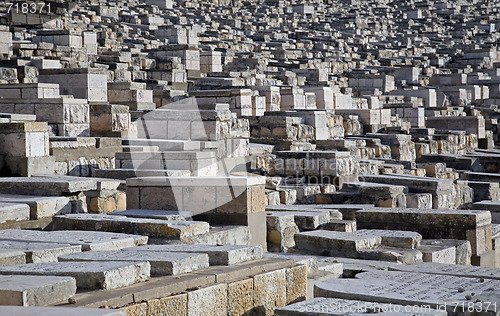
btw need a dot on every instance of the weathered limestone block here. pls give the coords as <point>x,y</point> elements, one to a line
<point>211,300</point>
<point>270,291</point>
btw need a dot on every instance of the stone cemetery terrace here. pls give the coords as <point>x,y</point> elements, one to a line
<point>257,157</point>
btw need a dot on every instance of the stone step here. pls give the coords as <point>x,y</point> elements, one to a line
<point>40,206</point>
<point>123,174</point>
<point>322,306</point>
<point>305,220</point>
<point>37,252</point>
<point>29,290</point>
<point>140,226</point>
<point>46,185</point>
<point>12,257</point>
<point>90,274</point>
<point>10,212</point>
<point>410,288</point>
<point>162,263</point>
<point>53,311</point>
<point>88,240</point>
<point>218,255</point>
<point>154,214</point>
<point>332,243</point>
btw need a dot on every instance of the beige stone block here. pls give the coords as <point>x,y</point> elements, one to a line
<point>168,306</point>
<point>121,201</point>
<point>296,284</point>
<point>208,301</point>
<point>240,297</point>
<point>258,199</point>
<point>137,310</point>
<point>270,291</point>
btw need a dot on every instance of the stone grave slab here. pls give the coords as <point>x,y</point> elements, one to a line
<point>407,288</point>
<point>46,185</point>
<point>218,255</point>
<point>89,240</point>
<point>89,275</point>
<point>37,252</point>
<point>154,214</point>
<point>30,290</point>
<point>142,226</point>
<point>162,263</point>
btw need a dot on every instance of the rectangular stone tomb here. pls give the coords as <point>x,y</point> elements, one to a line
<point>471,225</point>
<point>218,255</point>
<point>333,306</point>
<point>305,220</point>
<point>60,311</point>
<point>164,263</point>
<point>227,200</point>
<point>89,275</point>
<point>451,293</point>
<point>30,290</point>
<point>142,226</point>
<point>37,252</point>
<point>89,240</point>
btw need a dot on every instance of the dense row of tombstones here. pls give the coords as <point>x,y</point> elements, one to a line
<point>177,157</point>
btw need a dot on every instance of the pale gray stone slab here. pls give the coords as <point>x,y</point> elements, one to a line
<point>144,226</point>
<point>89,240</point>
<point>409,288</point>
<point>59,311</point>
<point>89,275</point>
<point>30,290</point>
<point>310,261</point>
<point>11,257</point>
<point>13,212</point>
<point>162,263</point>
<point>154,214</point>
<point>40,252</point>
<point>46,185</point>
<point>321,306</point>
<point>219,255</point>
